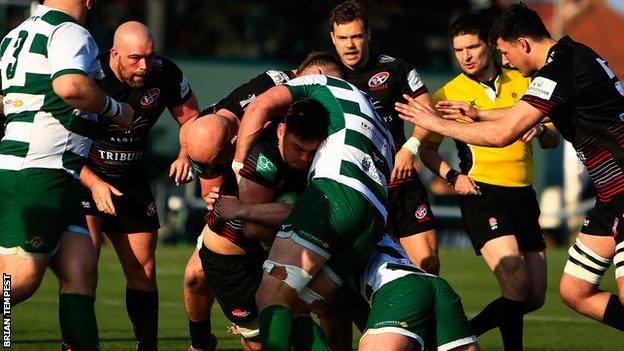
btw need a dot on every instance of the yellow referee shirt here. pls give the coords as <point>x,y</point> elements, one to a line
<point>510,166</point>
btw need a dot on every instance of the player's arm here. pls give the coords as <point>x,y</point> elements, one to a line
<point>185,113</point>
<point>502,132</point>
<point>404,159</point>
<point>101,191</point>
<point>546,134</point>
<point>431,158</point>
<point>271,103</point>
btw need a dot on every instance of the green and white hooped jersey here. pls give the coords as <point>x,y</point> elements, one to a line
<point>42,130</point>
<point>387,263</point>
<point>359,149</point>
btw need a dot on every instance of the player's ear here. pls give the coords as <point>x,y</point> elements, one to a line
<point>281,130</point>
<point>524,44</point>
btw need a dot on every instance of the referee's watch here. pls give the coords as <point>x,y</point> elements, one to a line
<point>451,177</point>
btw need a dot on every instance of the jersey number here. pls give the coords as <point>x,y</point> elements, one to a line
<point>618,84</point>
<point>12,67</point>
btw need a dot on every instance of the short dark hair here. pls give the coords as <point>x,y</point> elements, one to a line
<point>469,23</point>
<point>322,59</point>
<point>308,120</point>
<point>518,21</point>
<point>346,12</point>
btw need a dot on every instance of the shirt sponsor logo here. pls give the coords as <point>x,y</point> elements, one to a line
<point>542,88</point>
<point>120,156</point>
<point>414,81</point>
<point>378,79</point>
<point>266,168</point>
<point>150,97</point>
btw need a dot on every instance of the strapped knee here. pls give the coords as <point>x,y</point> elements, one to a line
<point>618,260</point>
<point>311,298</point>
<point>586,264</point>
<point>293,276</point>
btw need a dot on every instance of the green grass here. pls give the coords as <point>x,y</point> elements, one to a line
<point>554,327</point>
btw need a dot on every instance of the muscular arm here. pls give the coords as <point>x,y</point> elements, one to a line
<point>502,132</point>
<point>270,103</point>
<point>259,214</point>
<point>82,93</point>
<point>184,114</point>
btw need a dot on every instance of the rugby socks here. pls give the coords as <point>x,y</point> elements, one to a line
<point>201,337</point>
<point>614,313</point>
<point>275,323</point>
<point>78,323</point>
<point>510,324</point>
<point>505,314</point>
<point>142,308</point>
<point>307,335</point>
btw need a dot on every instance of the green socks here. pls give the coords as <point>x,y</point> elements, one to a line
<point>275,322</point>
<point>78,323</point>
<point>306,335</point>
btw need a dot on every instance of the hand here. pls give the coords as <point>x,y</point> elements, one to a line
<point>533,133</point>
<point>181,171</point>
<point>125,119</point>
<point>458,110</point>
<point>403,165</point>
<point>464,185</point>
<point>416,113</point>
<point>212,197</point>
<point>102,194</point>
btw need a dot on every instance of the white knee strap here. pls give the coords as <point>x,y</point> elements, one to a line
<point>309,296</point>
<point>296,277</point>
<point>618,260</point>
<point>586,264</point>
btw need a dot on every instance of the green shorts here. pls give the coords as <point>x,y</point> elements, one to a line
<point>36,206</point>
<point>338,223</point>
<point>422,307</point>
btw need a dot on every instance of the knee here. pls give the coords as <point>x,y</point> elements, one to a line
<point>534,303</point>
<point>513,276</point>
<point>194,279</point>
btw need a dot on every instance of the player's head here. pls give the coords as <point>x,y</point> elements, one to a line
<point>132,54</point>
<point>78,9</point>
<point>517,28</point>
<point>468,35</point>
<point>350,33</point>
<point>209,140</point>
<point>318,62</point>
<point>304,127</point>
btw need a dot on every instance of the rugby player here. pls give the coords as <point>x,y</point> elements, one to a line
<point>352,166</point>
<point>410,309</point>
<point>120,202</point>
<point>231,252</point>
<point>385,79</point>
<point>210,159</point>
<point>48,65</point>
<point>498,204</point>
<point>575,87</point>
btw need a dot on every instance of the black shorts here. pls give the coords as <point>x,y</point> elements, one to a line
<point>234,280</point>
<point>606,218</point>
<point>409,209</point>
<point>136,210</point>
<point>501,211</point>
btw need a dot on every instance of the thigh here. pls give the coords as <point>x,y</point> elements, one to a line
<point>36,207</point>
<point>403,306</point>
<point>234,280</point>
<point>136,250</point>
<point>409,209</point>
<point>452,326</point>
<point>485,216</point>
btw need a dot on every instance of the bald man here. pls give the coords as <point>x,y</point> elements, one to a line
<point>120,202</point>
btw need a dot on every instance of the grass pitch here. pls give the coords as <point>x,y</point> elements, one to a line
<point>554,327</point>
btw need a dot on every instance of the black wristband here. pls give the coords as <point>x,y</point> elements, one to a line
<point>543,131</point>
<point>451,177</point>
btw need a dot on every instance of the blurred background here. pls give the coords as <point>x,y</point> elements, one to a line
<point>222,44</point>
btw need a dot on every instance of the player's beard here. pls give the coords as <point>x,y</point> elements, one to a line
<point>128,76</point>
